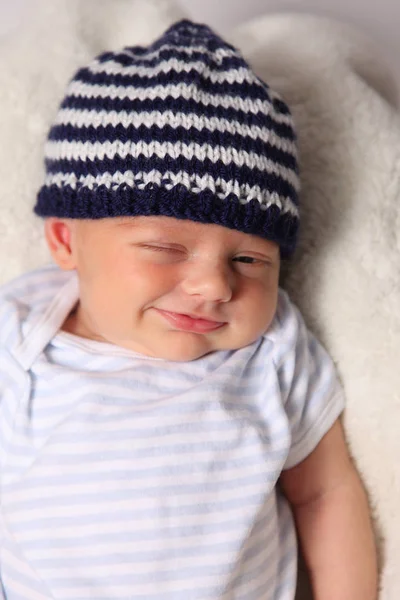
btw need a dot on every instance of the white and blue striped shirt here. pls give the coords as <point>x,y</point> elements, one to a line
<point>129,477</point>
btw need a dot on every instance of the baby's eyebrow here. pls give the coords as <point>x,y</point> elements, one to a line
<point>151,229</point>
<point>124,223</point>
<point>132,222</point>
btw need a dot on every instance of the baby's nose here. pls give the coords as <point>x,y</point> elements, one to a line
<point>213,282</point>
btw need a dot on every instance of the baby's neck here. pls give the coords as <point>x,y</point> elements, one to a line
<point>70,324</point>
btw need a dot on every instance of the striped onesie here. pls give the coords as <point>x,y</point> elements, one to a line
<point>124,476</point>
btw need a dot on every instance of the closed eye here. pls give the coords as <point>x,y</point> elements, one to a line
<point>248,260</point>
<point>161,248</point>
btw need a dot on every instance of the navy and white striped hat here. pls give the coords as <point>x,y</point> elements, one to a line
<point>181,128</point>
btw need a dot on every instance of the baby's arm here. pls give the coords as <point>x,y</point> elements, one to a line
<point>332,518</point>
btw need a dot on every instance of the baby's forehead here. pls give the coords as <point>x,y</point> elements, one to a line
<point>191,232</point>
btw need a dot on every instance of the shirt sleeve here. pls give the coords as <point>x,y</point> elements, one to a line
<point>312,394</point>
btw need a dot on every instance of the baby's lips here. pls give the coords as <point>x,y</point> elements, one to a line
<point>188,323</point>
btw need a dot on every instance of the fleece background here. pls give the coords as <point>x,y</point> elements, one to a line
<point>346,274</point>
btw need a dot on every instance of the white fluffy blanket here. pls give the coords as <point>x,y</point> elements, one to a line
<point>346,276</point>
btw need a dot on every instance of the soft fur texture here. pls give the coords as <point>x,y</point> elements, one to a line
<point>345,277</point>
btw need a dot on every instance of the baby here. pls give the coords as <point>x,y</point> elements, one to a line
<point>169,427</point>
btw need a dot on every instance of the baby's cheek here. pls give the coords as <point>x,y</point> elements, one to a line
<point>157,279</point>
<point>255,310</point>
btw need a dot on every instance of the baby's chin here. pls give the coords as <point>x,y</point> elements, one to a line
<point>185,346</point>
<point>176,350</point>
<point>175,346</point>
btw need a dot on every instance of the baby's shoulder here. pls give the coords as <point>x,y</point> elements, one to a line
<point>23,298</point>
<point>295,347</point>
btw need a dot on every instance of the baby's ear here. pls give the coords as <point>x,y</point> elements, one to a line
<point>58,233</point>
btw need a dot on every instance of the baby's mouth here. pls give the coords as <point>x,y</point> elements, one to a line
<point>188,323</point>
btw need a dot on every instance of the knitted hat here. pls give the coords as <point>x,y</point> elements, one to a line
<point>181,128</point>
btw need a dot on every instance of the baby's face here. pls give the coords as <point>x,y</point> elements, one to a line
<point>138,275</point>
